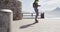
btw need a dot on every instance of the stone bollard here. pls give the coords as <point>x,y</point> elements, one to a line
<point>5,20</point>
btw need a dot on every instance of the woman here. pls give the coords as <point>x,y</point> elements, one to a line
<point>35,6</point>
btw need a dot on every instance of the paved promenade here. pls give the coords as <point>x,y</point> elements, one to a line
<point>44,25</point>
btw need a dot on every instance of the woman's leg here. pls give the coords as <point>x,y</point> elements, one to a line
<point>36,11</point>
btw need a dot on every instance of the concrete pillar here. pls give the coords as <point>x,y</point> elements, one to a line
<point>5,20</point>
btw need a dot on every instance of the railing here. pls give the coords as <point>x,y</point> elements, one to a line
<point>30,15</point>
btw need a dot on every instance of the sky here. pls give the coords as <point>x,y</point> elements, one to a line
<point>46,5</point>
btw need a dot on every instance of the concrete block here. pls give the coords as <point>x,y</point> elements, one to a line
<point>5,20</point>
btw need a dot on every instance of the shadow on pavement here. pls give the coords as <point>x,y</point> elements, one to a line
<point>26,26</point>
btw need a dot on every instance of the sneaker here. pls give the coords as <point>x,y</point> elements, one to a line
<point>36,21</point>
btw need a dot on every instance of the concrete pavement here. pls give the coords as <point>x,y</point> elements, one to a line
<point>44,25</point>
